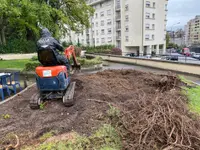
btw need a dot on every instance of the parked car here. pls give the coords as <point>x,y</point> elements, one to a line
<point>195,55</point>
<point>130,55</point>
<point>172,57</point>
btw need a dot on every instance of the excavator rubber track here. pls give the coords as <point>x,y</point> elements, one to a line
<point>68,98</point>
<point>35,101</point>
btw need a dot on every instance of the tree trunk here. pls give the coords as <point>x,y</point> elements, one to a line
<point>1,43</point>
<point>3,37</point>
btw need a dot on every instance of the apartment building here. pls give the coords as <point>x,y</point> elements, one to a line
<point>135,26</point>
<point>192,31</point>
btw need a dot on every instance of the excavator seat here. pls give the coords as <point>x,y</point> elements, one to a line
<point>47,57</point>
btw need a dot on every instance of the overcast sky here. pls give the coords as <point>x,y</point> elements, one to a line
<point>182,11</point>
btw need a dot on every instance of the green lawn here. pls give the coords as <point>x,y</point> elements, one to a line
<point>14,64</point>
<point>193,95</point>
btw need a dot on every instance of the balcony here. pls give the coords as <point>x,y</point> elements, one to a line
<point>118,8</point>
<point>118,38</point>
<point>87,32</point>
<point>118,18</point>
<point>118,28</point>
<point>152,7</point>
<point>94,2</point>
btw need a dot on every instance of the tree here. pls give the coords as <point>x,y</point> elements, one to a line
<point>69,15</point>
<point>167,40</point>
<point>19,18</point>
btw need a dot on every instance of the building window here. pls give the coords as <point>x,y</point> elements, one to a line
<point>109,12</point>
<point>96,15</point>
<point>102,23</point>
<point>92,32</point>
<point>109,22</point>
<point>109,31</point>
<point>97,40</point>
<point>147,15</point>
<point>126,29</point>
<point>147,26</point>
<point>153,16</point>
<point>109,39</point>
<point>153,37</point>
<point>102,31</point>
<point>165,6</point>
<point>97,32</point>
<point>101,5</point>
<point>148,4</point>
<point>96,24</point>
<point>102,14</point>
<point>153,26</point>
<point>126,7</point>
<point>102,40</point>
<point>127,39</point>
<point>126,18</point>
<point>147,36</point>
<point>108,3</point>
<point>154,5</point>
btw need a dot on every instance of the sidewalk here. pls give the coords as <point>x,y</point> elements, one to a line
<point>17,56</point>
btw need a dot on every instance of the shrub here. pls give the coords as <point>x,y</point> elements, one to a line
<point>89,62</point>
<point>99,49</point>
<point>116,51</point>
<point>66,44</point>
<point>34,58</point>
<point>31,66</point>
<point>18,46</point>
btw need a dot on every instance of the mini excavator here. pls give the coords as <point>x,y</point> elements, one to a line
<point>53,80</point>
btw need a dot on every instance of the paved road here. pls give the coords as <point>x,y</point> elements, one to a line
<point>17,56</point>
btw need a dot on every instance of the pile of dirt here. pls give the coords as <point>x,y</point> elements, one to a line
<point>153,113</point>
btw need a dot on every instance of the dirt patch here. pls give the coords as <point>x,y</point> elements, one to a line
<point>130,91</point>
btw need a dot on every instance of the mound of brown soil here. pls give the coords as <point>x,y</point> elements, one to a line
<point>153,113</point>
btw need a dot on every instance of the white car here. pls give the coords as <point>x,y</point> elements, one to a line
<point>195,55</point>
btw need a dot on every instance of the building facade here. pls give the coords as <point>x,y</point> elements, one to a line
<point>192,31</point>
<point>135,26</point>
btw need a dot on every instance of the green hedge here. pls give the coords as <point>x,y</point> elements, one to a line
<point>99,49</point>
<point>18,46</point>
<point>31,66</point>
<point>89,62</point>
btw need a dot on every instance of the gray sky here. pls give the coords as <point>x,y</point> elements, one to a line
<point>182,11</point>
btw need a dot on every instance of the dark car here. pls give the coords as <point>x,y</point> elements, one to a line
<point>130,55</point>
<point>172,57</point>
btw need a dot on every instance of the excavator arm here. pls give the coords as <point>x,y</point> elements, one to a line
<point>70,51</point>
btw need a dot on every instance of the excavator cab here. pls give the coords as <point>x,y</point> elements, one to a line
<point>47,57</point>
<point>52,79</point>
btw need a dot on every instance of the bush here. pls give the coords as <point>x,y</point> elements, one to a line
<point>99,49</point>
<point>18,46</point>
<point>66,44</point>
<point>34,58</point>
<point>89,62</point>
<point>116,51</point>
<point>31,66</point>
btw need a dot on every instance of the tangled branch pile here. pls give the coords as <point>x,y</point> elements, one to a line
<point>161,121</point>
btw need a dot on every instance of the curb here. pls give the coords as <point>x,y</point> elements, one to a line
<point>11,98</point>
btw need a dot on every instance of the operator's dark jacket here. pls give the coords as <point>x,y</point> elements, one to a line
<point>47,41</point>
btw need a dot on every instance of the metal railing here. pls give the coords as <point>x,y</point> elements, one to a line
<point>172,57</point>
